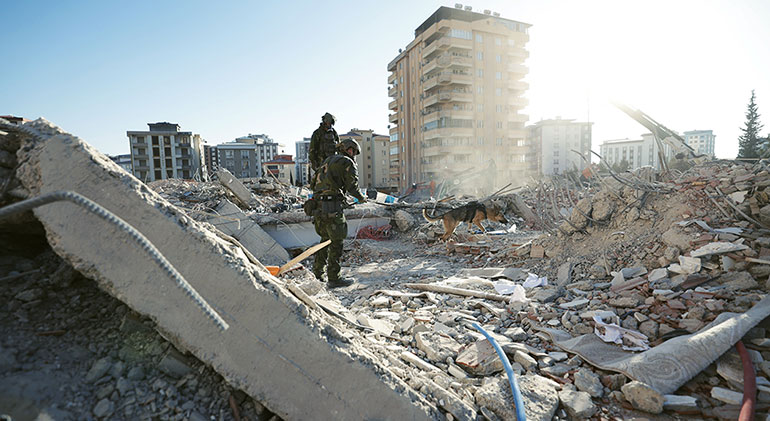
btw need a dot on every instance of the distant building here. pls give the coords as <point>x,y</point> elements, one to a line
<point>302,161</point>
<point>635,153</point>
<point>374,161</point>
<point>210,159</point>
<point>457,96</point>
<point>281,167</point>
<point>124,161</point>
<point>13,119</point>
<point>556,140</point>
<point>701,140</point>
<point>164,152</point>
<point>244,156</point>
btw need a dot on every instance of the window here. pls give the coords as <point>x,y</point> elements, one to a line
<point>480,108</point>
<point>481,140</point>
<point>556,153</point>
<point>479,38</point>
<point>499,75</point>
<point>481,72</point>
<point>498,41</point>
<point>244,154</point>
<point>480,56</point>
<point>244,174</point>
<point>139,139</point>
<point>555,162</point>
<point>498,108</point>
<point>499,124</point>
<point>459,33</point>
<point>245,164</point>
<point>499,58</point>
<point>480,90</point>
<point>511,42</point>
<point>499,141</point>
<point>480,124</point>
<point>228,154</point>
<point>229,163</point>
<point>499,91</point>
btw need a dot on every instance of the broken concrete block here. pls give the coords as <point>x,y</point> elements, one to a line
<point>674,237</point>
<point>450,402</point>
<point>274,349</point>
<point>233,222</point>
<point>657,275</point>
<point>680,403</point>
<point>738,281</point>
<point>588,381</point>
<point>575,304</point>
<point>727,396</point>
<point>174,364</point>
<point>404,220</point>
<point>480,359</point>
<point>643,397</point>
<point>437,347</point>
<point>577,404</point>
<point>234,186</point>
<point>525,360</point>
<point>538,393</point>
<point>718,247</point>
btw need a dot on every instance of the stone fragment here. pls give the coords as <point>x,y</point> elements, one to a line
<point>437,347</point>
<point>98,369</point>
<point>577,404</point>
<point>417,361</point>
<point>174,364</point>
<point>727,396</point>
<point>657,275</point>
<point>381,301</point>
<point>516,334</point>
<point>675,237</point>
<point>31,294</point>
<point>587,381</point>
<point>450,402</point>
<point>717,247</point>
<point>603,207</point>
<point>404,220</point>
<point>104,408</point>
<point>558,356</point>
<point>643,397</point>
<point>680,403</point>
<point>135,373</point>
<point>738,281</point>
<point>525,360</point>
<point>575,304</point>
<point>671,254</point>
<point>624,302</point>
<point>480,359</point>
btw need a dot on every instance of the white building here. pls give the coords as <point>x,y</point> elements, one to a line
<point>244,156</point>
<point>302,161</point>
<point>164,152</point>
<point>556,140</point>
<point>702,141</point>
<point>636,153</point>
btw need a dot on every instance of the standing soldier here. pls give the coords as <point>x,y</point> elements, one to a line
<point>323,143</point>
<point>336,176</point>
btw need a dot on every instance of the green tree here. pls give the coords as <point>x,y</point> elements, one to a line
<point>749,143</point>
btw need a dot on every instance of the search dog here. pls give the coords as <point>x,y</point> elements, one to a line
<point>470,213</point>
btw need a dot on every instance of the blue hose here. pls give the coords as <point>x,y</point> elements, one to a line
<point>517,399</point>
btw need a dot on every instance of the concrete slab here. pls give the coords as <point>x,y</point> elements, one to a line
<point>276,349</point>
<point>302,234</point>
<point>235,186</point>
<point>237,224</point>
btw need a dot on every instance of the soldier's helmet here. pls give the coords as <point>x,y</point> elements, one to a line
<point>328,119</point>
<point>349,143</point>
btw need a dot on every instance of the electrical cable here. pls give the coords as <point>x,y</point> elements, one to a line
<point>517,398</point>
<point>144,243</point>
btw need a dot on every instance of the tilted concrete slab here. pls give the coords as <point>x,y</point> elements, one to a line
<point>235,223</point>
<point>235,186</point>
<point>276,349</point>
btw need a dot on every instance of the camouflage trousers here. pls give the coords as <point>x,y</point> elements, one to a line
<point>330,227</point>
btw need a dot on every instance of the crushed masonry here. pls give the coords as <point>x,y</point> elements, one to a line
<point>675,265</point>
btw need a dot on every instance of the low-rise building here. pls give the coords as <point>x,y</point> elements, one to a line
<point>244,156</point>
<point>281,168</point>
<point>165,152</point>
<point>634,153</point>
<point>124,161</point>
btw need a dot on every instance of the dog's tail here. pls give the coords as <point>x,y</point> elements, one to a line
<point>430,218</point>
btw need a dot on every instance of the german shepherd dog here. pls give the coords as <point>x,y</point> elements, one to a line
<point>470,213</point>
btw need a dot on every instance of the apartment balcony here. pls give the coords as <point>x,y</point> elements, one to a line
<point>519,53</point>
<point>446,78</point>
<point>518,101</point>
<point>141,156</point>
<point>393,130</point>
<point>392,78</point>
<point>518,85</point>
<point>430,99</point>
<point>436,114</point>
<point>452,60</point>
<point>393,92</point>
<point>517,68</point>
<point>393,105</point>
<point>393,118</point>
<point>518,118</point>
<point>430,66</point>
<point>447,132</point>
<point>435,151</point>
<point>461,96</point>
<point>430,83</point>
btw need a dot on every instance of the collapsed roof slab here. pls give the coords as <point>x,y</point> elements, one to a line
<point>276,349</point>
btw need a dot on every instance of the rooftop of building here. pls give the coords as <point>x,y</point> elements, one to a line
<point>281,159</point>
<point>467,15</point>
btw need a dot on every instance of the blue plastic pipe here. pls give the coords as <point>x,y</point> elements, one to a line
<point>517,399</point>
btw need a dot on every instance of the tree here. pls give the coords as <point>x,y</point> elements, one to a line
<point>749,143</point>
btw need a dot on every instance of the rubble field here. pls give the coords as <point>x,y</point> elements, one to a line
<point>619,296</point>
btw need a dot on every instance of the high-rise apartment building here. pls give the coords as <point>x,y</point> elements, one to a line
<point>165,152</point>
<point>302,161</point>
<point>701,140</point>
<point>555,142</point>
<point>374,161</point>
<point>457,94</point>
<point>210,159</point>
<point>244,156</point>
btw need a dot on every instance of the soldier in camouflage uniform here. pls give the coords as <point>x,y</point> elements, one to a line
<point>336,176</point>
<point>323,143</point>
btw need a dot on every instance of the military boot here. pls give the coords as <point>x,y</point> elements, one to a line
<point>342,282</point>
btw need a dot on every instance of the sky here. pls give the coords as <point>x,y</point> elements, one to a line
<point>227,69</point>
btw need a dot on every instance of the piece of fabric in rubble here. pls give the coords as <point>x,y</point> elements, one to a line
<point>671,364</point>
<point>629,340</point>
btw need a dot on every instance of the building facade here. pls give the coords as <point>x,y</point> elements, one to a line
<point>555,142</point>
<point>457,96</point>
<point>165,152</point>
<point>210,159</point>
<point>244,156</point>
<point>634,154</point>
<point>281,167</point>
<point>702,141</point>
<point>302,161</point>
<point>124,161</point>
<point>374,161</point>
